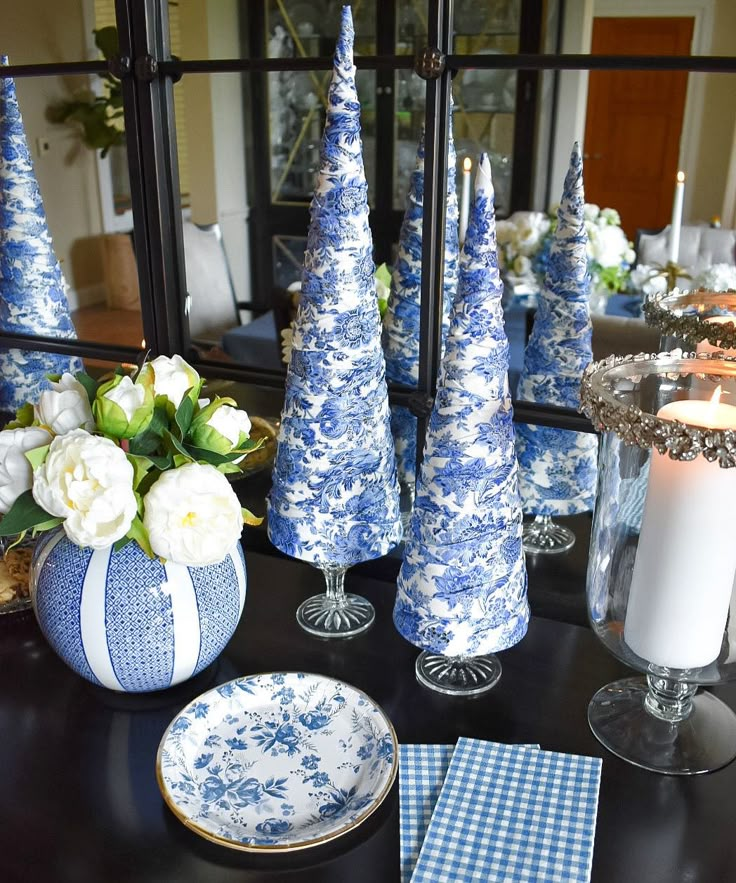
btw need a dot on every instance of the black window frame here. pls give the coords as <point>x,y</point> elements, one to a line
<point>147,73</point>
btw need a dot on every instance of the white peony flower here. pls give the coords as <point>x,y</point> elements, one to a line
<point>88,481</point>
<point>230,422</point>
<point>591,211</point>
<point>192,515</point>
<point>127,395</point>
<point>64,407</point>
<point>171,377</point>
<point>16,475</point>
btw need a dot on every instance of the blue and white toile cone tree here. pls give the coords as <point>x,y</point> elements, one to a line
<point>462,585</point>
<point>401,319</point>
<point>558,467</point>
<point>335,495</point>
<point>32,288</point>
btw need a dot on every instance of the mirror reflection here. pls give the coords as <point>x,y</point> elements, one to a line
<point>246,174</point>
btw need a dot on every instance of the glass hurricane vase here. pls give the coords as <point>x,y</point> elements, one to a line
<point>660,584</point>
<point>335,613</point>
<point>700,319</point>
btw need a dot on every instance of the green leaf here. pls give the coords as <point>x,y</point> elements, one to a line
<point>250,518</point>
<point>47,525</point>
<point>24,416</point>
<point>148,441</point>
<point>212,457</point>
<point>139,533</point>
<point>36,456</point>
<point>177,447</point>
<point>228,468</point>
<point>184,414</point>
<point>24,514</point>
<point>141,466</point>
<point>89,384</point>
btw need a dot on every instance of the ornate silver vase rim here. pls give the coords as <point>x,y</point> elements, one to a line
<point>681,313</point>
<point>681,441</point>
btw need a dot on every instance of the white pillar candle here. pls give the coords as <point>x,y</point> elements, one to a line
<point>465,199</point>
<point>676,223</point>
<point>686,559</point>
<point>705,346</point>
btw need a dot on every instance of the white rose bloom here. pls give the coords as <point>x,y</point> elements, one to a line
<point>192,515</point>
<point>591,211</point>
<point>522,266</point>
<point>172,377</point>
<point>629,256</point>
<point>88,481</point>
<point>16,475</point>
<point>127,395</point>
<point>65,407</point>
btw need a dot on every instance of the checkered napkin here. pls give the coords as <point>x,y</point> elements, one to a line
<point>509,814</point>
<point>422,771</point>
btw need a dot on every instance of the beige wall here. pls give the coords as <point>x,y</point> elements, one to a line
<point>719,120</point>
<point>38,31</point>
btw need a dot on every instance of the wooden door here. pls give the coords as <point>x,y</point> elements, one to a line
<point>634,121</point>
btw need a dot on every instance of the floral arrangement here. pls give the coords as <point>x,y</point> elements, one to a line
<point>136,456</point>
<point>717,277</point>
<point>525,239</point>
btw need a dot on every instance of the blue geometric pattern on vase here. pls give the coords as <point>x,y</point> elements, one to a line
<point>219,606</point>
<point>58,598</point>
<point>32,288</point>
<point>400,335</point>
<point>558,467</point>
<point>335,495</point>
<point>129,622</point>
<point>461,589</point>
<point>138,616</point>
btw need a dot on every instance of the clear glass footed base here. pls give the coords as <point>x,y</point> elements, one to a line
<point>458,675</point>
<point>335,614</point>
<point>679,735</point>
<point>543,537</point>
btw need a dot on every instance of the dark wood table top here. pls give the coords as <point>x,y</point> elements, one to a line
<point>79,801</point>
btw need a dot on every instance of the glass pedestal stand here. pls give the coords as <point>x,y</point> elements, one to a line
<point>458,675</point>
<point>335,614</point>
<point>543,537</point>
<point>663,725</point>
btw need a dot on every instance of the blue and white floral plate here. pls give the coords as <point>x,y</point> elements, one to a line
<point>277,762</point>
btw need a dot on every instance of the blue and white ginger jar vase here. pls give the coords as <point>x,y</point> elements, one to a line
<point>131,623</point>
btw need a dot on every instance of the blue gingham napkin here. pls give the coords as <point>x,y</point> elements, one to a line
<point>508,814</point>
<point>422,770</point>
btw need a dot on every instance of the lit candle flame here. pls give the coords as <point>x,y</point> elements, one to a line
<point>714,401</point>
<point>680,177</point>
<point>467,164</point>
<point>143,343</point>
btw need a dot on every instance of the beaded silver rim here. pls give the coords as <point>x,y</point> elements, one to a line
<point>681,441</point>
<point>664,311</point>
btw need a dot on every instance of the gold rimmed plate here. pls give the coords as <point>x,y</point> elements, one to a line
<point>277,762</point>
